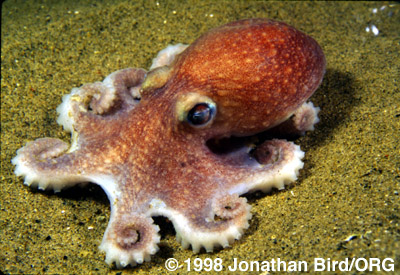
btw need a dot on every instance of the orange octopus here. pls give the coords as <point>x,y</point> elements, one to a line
<point>172,141</point>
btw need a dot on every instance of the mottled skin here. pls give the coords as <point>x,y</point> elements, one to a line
<point>152,160</point>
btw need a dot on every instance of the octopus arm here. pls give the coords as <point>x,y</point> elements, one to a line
<point>219,228</point>
<point>166,56</point>
<point>221,219</point>
<point>96,102</point>
<point>45,163</point>
<point>302,120</point>
<point>273,164</point>
<point>131,237</point>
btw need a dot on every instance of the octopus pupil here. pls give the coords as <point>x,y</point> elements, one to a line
<point>200,114</point>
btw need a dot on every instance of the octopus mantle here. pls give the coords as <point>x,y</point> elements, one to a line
<point>152,139</point>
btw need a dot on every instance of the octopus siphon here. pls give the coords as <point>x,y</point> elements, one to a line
<point>180,140</point>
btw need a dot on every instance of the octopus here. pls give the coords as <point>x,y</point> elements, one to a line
<point>182,140</point>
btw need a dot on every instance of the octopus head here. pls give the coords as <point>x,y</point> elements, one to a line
<point>239,79</point>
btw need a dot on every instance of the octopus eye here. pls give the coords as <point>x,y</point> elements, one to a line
<point>197,110</point>
<point>201,114</point>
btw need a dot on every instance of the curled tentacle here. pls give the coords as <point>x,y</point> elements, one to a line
<point>130,239</point>
<point>118,91</point>
<point>306,117</point>
<point>277,163</point>
<point>44,163</point>
<point>302,120</point>
<point>272,164</point>
<point>230,207</point>
<point>211,225</point>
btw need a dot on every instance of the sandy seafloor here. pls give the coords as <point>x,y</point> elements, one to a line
<point>346,202</point>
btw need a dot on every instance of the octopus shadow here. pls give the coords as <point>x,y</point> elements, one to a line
<point>72,196</point>
<point>336,99</point>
